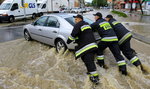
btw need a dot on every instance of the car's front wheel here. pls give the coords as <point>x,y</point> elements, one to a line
<point>11,19</point>
<point>60,46</point>
<point>27,35</point>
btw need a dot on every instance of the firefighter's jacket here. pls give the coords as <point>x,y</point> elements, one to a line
<point>105,30</point>
<point>83,36</point>
<point>122,33</point>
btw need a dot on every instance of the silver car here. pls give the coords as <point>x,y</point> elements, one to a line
<point>52,29</point>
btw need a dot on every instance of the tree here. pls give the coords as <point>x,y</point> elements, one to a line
<point>140,3</point>
<point>131,9</point>
<point>1,1</point>
<point>98,3</point>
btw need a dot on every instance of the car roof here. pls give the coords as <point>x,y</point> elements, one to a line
<point>63,15</point>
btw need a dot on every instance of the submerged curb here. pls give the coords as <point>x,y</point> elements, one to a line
<point>15,24</point>
<point>141,38</point>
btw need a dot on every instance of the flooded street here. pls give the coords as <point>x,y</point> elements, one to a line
<point>32,65</point>
<point>11,33</point>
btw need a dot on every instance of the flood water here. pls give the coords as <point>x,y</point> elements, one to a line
<point>32,65</point>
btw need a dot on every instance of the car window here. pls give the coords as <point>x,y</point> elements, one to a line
<point>38,5</point>
<point>5,6</point>
<point>15,6</point>
<point>72,22</point>
<point>88,20</point>
<point>41,21</point>
<point>52,22</point>
<point>44,6</point>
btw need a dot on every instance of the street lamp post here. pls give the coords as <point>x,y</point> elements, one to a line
<point>113,5</point>
<point>22,2</point>
<point>52,5</point>
<point>69,5</point>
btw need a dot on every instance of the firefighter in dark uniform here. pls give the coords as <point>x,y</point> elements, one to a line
<point>124,37</point>
<point>82,35</point>
<point>108,39</point>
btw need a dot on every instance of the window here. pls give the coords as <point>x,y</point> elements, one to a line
<point>44,6</point>
<point>5,6</point>
<point>52,22</point>
<point>15,6</point>
<point>38,5</point>
<point>72,22</point>
<point>41,21</point>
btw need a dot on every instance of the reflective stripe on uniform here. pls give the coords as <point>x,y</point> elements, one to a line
<point>100,57</point>
<point>115,22</point>
<point>105,25</point>
<point>84,27</point>
<point>114,38</point>
<point>72,38</point>
<point>85,48</point>
<point>134,59</point>
<point>93,73</point>
<point>126,36</point>
<point>120,63</point>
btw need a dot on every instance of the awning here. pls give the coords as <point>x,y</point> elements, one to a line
<point>130,1</point>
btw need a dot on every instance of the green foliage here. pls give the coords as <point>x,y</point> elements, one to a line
<point>88,4</point>
<point>99,3</point>
<point>119,13</point>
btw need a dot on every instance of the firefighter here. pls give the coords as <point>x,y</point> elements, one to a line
<point>83,36</point>
<point>124,37</point>
<point>108,39</point>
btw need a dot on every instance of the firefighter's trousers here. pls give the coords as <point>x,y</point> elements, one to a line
<point>129,53</point>
<point>114,48</point>
<point>88,60</point>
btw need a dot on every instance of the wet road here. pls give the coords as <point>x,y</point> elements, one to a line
<point>11,33</point>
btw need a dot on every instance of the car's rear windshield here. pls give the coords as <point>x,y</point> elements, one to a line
<point>72,22</point>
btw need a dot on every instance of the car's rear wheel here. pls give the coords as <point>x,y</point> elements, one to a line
<point>60,46</point>
<point>41,14</point>
<point>33,16</point>
<point>27,35</point>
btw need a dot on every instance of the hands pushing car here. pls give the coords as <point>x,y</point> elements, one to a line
<point>52,29</point>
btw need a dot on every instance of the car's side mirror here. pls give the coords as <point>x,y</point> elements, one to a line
<point>32,23</point>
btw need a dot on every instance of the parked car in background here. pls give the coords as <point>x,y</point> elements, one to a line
<point>78,10</point>
<point>87,9</point>
<point>83,10</point>
<point>74,10</point>
<point>65,10</point>
<point>10,10</point>
<point>52,29</point>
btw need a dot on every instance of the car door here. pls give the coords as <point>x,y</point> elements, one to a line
<point>51,30</point>
<point>37,28</point>
<point>16,11</point>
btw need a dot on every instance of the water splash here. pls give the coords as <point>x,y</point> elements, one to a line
<point>32,65</point>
